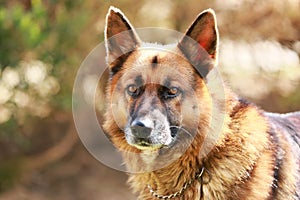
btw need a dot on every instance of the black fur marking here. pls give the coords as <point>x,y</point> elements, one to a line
<point>287,125</point>
<point>203,68</point>
<point>139,81</point>
<point>239,107</point>
<point>278,161</point>
<point>154,62</point>
<point>117,65</point>
<point>167,83</point>
<point>132,110</point>
<point>283,124</point>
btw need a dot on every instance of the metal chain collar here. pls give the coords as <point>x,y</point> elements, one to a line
<point>185,186</point>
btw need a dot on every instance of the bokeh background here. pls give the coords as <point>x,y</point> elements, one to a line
<point>42,44</point>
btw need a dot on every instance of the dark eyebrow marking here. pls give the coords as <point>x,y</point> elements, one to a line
<point>167,82</point>
<point>154,61</point>
<point>139,80</point>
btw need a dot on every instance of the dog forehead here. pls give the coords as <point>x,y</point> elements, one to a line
<point>157,60</point>
<point>148,56</point>
<point>158,65</point>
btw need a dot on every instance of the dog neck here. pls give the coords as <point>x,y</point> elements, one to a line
<point>198,177</point>
<point>173,180</point>
<point>177,177</point>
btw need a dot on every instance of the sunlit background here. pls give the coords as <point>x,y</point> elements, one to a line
<point>42,44</point>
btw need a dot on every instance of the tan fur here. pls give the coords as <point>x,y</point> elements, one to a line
<point>229,163</point>
<point>247,155</point>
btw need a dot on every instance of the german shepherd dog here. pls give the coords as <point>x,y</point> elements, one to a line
<point>161,115</point>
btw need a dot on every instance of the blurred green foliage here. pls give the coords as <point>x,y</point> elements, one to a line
<point>21,30</point>
<point>46,31</point>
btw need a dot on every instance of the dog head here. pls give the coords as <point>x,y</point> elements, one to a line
<point>157,93</point>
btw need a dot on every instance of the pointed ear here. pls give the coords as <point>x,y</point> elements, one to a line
<point>202,33</point>
<point>120,37</point>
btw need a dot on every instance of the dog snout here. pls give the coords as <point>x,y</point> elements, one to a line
<point>140,130</point>
<point>138,123</point>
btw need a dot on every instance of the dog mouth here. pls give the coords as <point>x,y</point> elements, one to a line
<point>150,143</point>
<point>146,144</point>
<point>142,145</point>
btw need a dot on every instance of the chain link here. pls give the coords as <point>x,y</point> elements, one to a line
<point>180,192</point>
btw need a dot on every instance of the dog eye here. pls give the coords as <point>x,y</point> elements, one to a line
<point>133,90</point>
<point>172,92</point>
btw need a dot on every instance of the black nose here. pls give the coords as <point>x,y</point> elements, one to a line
<point>139,130</point>
<point>138,123</point>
